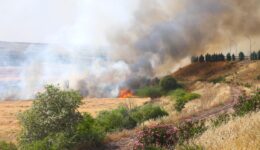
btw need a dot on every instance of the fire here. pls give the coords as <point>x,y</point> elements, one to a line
<point>125,93</point>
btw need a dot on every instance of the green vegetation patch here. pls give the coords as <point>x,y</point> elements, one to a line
<point>147,112</point>
<point>153,92</point>
<point>218,80</point>
<point>123,118</point>
<point>168,83</point>
<point>247,104</point>
<point>182,97</point>
<point>7,146</point>
<point>116,119</point>
<point>54,123</point>
<point>221,119</point>
<point>258,77</point>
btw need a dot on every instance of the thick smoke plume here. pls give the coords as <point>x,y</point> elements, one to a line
<point>168,31</point>
<point>164,33</point>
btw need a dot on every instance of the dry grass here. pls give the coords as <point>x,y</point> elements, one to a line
<point>9,125</point>
<point>238,134</point>
<point>211,95</point>
<point>205,71</point>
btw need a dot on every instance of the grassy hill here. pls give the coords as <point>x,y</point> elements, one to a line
<point>208,100</point>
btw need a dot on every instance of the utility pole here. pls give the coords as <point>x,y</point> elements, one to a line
<point>230,46</point>
<point>249,38</point>
<point>236,47</point>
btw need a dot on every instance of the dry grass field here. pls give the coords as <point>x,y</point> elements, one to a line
<point>238,134</point>
<point>9,125</point>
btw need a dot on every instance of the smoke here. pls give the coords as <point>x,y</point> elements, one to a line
<point>163,35</point>
<point>167,32</point>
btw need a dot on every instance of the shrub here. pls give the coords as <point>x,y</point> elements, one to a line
<point>51,142</point>
<point>191,147</point>
<point>182,97</point>
<point>116,119</point>
<point>221,119</point>
<point>157,136</point>
<point>246,105</point>
<point>258,77</point>
<point>53,111</point>
<point>169,83</point>
<point>218,80</point>
<point>189,129</point>
<point>54,123</point>
<point>7,146</point>
<point>147,112</point>
<point>153,92</point>
<point>89,133</point>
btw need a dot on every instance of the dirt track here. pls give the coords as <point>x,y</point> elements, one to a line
<point>127,142</point>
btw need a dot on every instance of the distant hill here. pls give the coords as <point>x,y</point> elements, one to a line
<point>14,53</point>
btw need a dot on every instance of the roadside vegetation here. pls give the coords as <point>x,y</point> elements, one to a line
<point>164,86</point>
<point>185,135</point>
<point>7,146</point>
<point>181,97</point>
<point>54,122</point>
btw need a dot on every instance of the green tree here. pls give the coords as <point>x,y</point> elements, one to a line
<point>53,111</point>
<point>201,58</point>
<point>253,56</point>
<point>168,83</point>
<point>194,59</point>
<point>258,55</point>
<point>241,56</point>
<point>208,58</point>
<point>233,57</point>
<point>228,57</point>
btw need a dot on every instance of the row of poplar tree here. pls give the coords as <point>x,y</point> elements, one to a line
<point>221,57</point>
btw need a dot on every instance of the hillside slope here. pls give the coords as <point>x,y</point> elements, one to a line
<point>220,86</point>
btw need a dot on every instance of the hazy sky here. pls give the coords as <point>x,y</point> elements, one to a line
<point>69,21</point>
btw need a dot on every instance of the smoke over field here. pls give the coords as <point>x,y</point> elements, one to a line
<point>162,34</point>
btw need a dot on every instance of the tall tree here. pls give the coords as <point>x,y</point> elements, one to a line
<point>233,57</point>
<point>194,59</point>
<point>201,58</point>
<point>253,56</point>
<point>228,57</point>
<point>208,58</point>
<point>241,56</point>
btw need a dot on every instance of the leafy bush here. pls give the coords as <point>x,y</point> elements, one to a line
<point>122,118</point>
<point>54,123</point>
<point>157,136</point>
<point>246,105</point>
<point>258,77</point>
<point>147,112</point>
<point>53,111</point>
<point>221,119</point>
<point>7,146</point>
<point>116,119</point>
<point>168,83</point>
<point>89,133</point>
<point>218,80</point>
<point>188,130</point>
<point>153,92</point>
<point>168,136</point>
<point>182,97</point>
<point>51,142</point>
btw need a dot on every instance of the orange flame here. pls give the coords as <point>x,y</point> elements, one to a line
<point>125,93</point>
